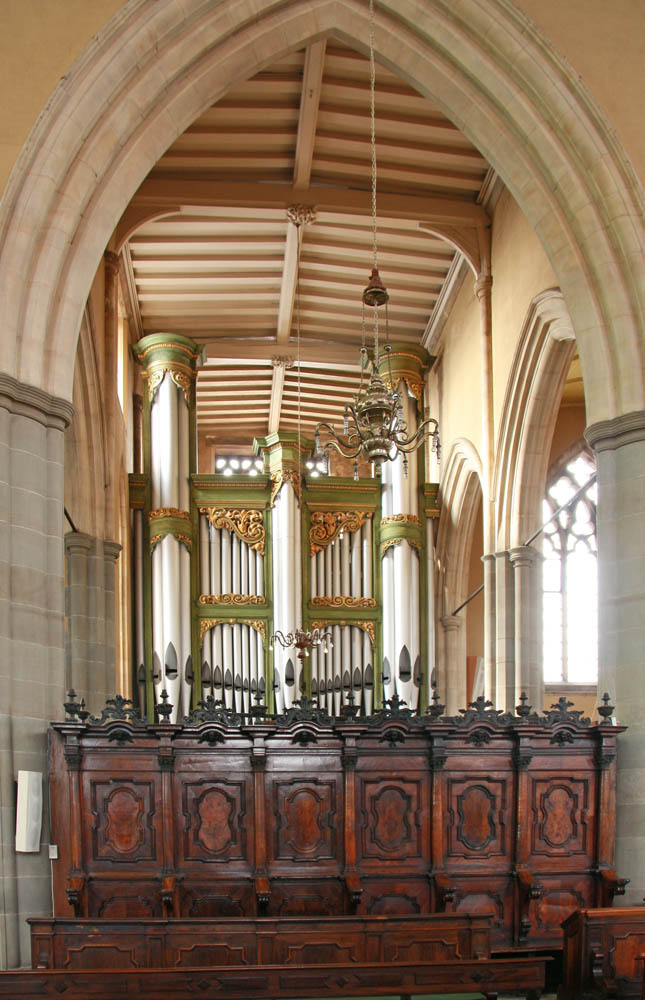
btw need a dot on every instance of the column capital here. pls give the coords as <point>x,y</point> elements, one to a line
<point>524,555</point>
<point>78,541</point>
<point>451,623</point>
<point>161,353</point>
<point>28,401</point>
<point>483,285</point>
<point>407,363</point>
<point>608,435</point>
<point>111,550</point>
<point>111,260</point>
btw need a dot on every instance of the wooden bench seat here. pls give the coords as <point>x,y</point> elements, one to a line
<point>486,977</point>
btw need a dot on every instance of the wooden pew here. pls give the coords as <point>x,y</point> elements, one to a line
<point>486,977</point>
<point>604,953</point>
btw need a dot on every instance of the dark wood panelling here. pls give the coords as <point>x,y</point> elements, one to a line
<point>604,953</point>
<point>307,816</point>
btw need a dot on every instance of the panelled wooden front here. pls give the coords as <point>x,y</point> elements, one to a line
<point>318,818</point>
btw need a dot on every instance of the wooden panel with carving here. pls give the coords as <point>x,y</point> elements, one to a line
<point>212,825</point>
<point>562,815</point>
<point>560,897</point>
<point>213,898</point>
<point>117,899</point>
<point>603,953</point>
<point>393,820</point>
<point>479,822</point>
<point>404,897</point>
<point>305,821</point>
<point>306,898</point>
<point>486,896</point>
<point>125,828</point>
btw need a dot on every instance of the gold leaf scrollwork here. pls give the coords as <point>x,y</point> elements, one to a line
<point>186,539</point>
<point>343,602</point>
<point>234,599</point>
<point>401,519</point>
<point>326,525</point>
<point>168,512</point>
<point>248,525</point>
<point>182,376</point>
<point>278,479</point>
<point>391,542</point>
<point>367,627</point>
<point>206,624</point>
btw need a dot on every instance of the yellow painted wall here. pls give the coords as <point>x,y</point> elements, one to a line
<point>459,372</point>
<point>39,40</point>
<point>520,271</point>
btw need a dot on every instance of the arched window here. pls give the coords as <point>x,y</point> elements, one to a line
<point>571,576</point>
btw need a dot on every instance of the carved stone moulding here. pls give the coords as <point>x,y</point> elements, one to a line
<point>246,523</point>
<point>326,525</point>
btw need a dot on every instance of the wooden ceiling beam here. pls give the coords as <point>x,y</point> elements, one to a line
<point>308,120</point>
<point>188,191</point>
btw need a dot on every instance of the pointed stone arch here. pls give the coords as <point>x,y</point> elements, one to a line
<point>157,65</point>
<point>544,352</point>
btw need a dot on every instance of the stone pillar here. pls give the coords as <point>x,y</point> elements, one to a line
<point>526,563</point>
<point>490,673</point>
<point>455,659</point>
<point>505,633</point>
<point>32,659</point>
<point>619,445</point>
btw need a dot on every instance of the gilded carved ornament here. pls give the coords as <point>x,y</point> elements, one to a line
<point>326,525</point>
<point>343,602</point>
<point>401,519</point>
<point>169,512</point>
<point>278,479</point>
<point>247,524</point>
<point>234,599</point>
<point>413,384</point>
<point>182,376</point>
<point>391,542</point>
<point>206,624</point>
<point>367,627</point>
<point>186,539</point>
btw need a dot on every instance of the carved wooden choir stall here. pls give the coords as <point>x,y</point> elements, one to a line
<point>304,841</point>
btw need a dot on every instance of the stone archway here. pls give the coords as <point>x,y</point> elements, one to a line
<point>156,66</point>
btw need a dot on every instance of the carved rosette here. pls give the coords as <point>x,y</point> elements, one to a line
<point>343,602</point>
<point>247,524</point>
<point>326,525</point>
<point>232,599</point>
<point>367,627</point>
<point>206,624</point>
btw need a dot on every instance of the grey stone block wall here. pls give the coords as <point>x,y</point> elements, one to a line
<point>32,664</point>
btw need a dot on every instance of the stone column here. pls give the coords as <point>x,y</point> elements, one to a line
<point>619,445</point>
<point>526,563</point>
<point>455,659</point>
<point>490,673</point>
<point>505,633</point>
<point>32,659</point>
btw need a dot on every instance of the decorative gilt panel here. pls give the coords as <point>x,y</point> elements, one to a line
<point>214,815</point>
<point>304,820</point>
<point>343,602</point>
<point>247,524</point>
<point>123,813</point>
<point>326,525</point>
<point>367,627</point>
<point>235,600</point>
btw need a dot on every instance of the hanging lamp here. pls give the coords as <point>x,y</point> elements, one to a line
<point>374,427</point>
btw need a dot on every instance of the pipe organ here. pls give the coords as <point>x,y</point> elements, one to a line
<point>222,562</point>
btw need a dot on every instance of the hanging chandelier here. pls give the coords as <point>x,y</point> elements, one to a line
<point>302,640</point>
<point>375,428</point>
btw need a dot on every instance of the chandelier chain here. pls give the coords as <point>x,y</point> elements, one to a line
<point>373,153</point>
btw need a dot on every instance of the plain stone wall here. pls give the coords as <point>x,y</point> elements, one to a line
<point>32,666</point>
<point>620,456</point>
